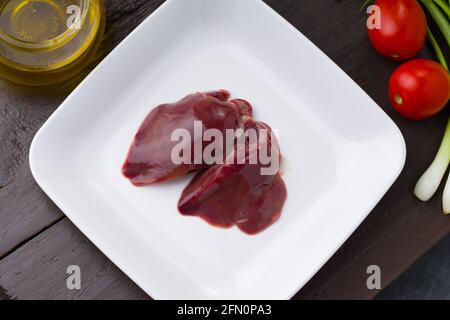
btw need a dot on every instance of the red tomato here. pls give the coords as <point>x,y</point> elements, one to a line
<point>403,29</point>
<point>419,89</point>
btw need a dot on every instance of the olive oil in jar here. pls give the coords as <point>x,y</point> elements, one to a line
<point>34,21</point>
<point>47,41</point>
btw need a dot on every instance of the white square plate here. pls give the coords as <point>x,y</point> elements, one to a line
<point>342,152</point>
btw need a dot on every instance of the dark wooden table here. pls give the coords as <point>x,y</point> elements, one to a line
<point>37,242</point>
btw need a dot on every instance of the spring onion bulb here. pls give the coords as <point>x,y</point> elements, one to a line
<point>431,179</point>
<point>446,197</point>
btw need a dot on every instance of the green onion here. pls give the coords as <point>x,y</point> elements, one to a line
<point>445,7</point>
<point>365,4</point>
<point>431,179</point>
<point>439,18</point>
<point>437,49</point>
<point>446,197</point>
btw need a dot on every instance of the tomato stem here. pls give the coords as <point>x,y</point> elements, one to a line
<point>437,49</point>
<point>398,99</point>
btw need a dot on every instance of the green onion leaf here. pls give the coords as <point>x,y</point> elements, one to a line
<point>437,49</point>
<point>439,18</point>
<point>366,3</point>
<point>445,7</point>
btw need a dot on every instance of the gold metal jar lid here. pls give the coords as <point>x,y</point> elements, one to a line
<point>47,41</point>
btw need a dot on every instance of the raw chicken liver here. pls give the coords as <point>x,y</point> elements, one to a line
<point>237,194</point>
<point>149,158</point>
<point>230,193</point>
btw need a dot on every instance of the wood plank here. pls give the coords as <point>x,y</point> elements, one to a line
<point>38,270</point>
<point>401,228</point>
<point>24,209</point>
<point>398,231</point>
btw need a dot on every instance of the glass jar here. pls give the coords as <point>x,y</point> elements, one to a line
<point>43,42</point>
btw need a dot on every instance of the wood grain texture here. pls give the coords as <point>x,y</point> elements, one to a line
<point>38,270</point>
<point>25,210</point>
<point>37,243</point>
<point>401,228</point>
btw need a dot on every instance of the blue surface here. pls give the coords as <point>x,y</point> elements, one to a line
<point>428,278</point>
